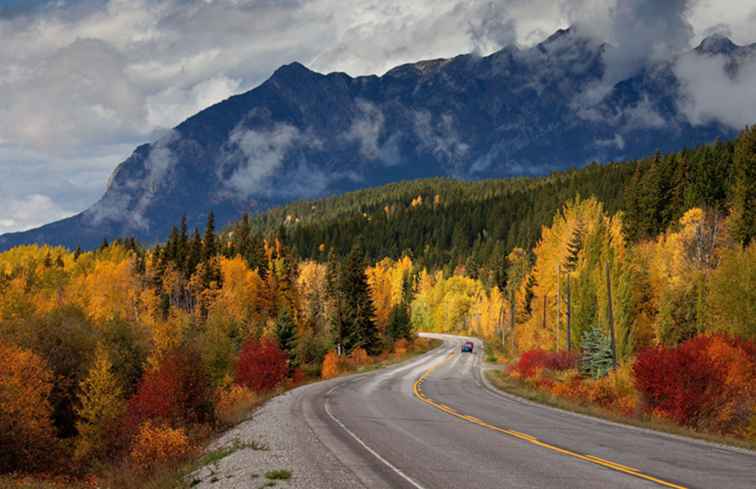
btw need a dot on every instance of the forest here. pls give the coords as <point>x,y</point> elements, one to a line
<point>625,284</point>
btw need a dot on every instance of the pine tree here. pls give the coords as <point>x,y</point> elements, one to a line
<point>743,226</point>
<point>357,307</point>
<point>210,248</point>
<point>286,332</point>
<point>210,252</point>
<point>400,322</point>
<point>193,254</point>
<point>574,246</point>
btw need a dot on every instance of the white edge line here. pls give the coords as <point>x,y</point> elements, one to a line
<point>388,464</point>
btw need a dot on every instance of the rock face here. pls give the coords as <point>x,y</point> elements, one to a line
<point>302,134</point>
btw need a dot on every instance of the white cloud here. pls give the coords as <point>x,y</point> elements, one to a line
<point>440,137</point>
<point>28,212</point>
<point>88,76</point>
<point>256,155</point>
<point>367,130</point>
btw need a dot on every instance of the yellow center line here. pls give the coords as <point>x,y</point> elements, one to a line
<point>530,438</point>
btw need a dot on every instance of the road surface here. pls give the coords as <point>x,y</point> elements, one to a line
<point>434,423</point>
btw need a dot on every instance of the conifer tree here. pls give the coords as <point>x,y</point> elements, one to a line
<point>286,333</point>
<point>574,246</point>
<point>193,254</point>
<point>357,310</point>
<point>744,190</point>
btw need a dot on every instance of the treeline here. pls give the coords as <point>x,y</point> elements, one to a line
<point>124,355</point>
<point>445,224</point>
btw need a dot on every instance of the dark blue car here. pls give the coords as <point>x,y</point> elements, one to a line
<point>467,347</point>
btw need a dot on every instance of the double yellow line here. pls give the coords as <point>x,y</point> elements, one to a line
<point>417,389</point>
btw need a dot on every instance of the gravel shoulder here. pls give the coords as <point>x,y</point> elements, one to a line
<point>276,438</point>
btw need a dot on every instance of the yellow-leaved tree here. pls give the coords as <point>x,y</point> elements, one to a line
<point>100,408</point>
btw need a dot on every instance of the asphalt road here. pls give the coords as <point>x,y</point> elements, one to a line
<point>451,430</point>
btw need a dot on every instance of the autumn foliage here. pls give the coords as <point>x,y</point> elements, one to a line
<point>176,392</point>
<point>532,360</point>
<point>708,381</point>
<point>262,365</point>
<point>332,365</point>
<point>233,403</point>
<point>158,444</point>
<point>26,432</point>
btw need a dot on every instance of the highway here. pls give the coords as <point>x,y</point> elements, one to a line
<point>435,423</point>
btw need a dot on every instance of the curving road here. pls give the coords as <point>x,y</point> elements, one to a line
<point>434,423</point>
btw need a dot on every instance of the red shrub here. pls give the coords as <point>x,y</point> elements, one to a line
<point>177,392</point>
<point>708,380</point>
<point>561,360</point>
<point>532,360</point>
<point>262,365</point>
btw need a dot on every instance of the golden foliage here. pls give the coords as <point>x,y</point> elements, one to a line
<point>154,445</point>
<point>233,404</point>
<point>100,406</point>
<point>332,366</point>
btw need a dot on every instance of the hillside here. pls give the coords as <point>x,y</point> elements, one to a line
<point>444,223</point>
<point>302,134</point>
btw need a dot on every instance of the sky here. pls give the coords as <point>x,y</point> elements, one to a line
<point>83,82</point>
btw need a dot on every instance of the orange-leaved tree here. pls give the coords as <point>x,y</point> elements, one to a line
<point>26,430</point>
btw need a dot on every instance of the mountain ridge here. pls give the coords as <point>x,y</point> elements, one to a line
<point>303,134</point>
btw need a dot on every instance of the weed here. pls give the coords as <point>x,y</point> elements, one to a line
<point>278,475</point>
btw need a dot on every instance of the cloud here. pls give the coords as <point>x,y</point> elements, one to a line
<point>713,94</point>
<point>254,156</point>
<point>29,212</point>
<point>367,130</point>
<point>90,77</point>
<point>440,137</point>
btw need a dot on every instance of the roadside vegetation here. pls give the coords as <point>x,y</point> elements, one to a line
<point>121,363</point>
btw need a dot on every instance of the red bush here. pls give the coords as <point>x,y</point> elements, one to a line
<point>532,360</point>
<point>708,380</point>
<point>262,365</point>
<point>177,392</point>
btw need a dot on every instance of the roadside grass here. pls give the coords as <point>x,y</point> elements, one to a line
<point>519,388</point>
<point>278,475</point>
<point>215,456</point>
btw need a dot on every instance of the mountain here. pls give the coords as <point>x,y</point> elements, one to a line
<point>302,134</point>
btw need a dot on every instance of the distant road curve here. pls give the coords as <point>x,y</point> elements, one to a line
<point>433,423</point>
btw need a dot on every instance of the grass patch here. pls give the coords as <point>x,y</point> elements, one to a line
<point>278,475</point>
<point>215,456</point>
<point>519,388</point>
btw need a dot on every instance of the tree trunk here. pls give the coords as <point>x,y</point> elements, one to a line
<point>512,312</point>
<point>558,326</point>
<point>569,315</point>
<point>610,314</point>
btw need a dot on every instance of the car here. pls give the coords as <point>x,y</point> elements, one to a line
<point>467,347</point>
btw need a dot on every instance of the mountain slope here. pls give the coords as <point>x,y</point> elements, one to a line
<point>302,134</point>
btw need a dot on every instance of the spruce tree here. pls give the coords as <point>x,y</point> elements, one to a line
<point>574,246</point>
<point>400,322</point>
<point>210,252</point>
<point>357,306</point>
<point>286,333</point>
<point>597,359</point>
<point>194,254</point>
